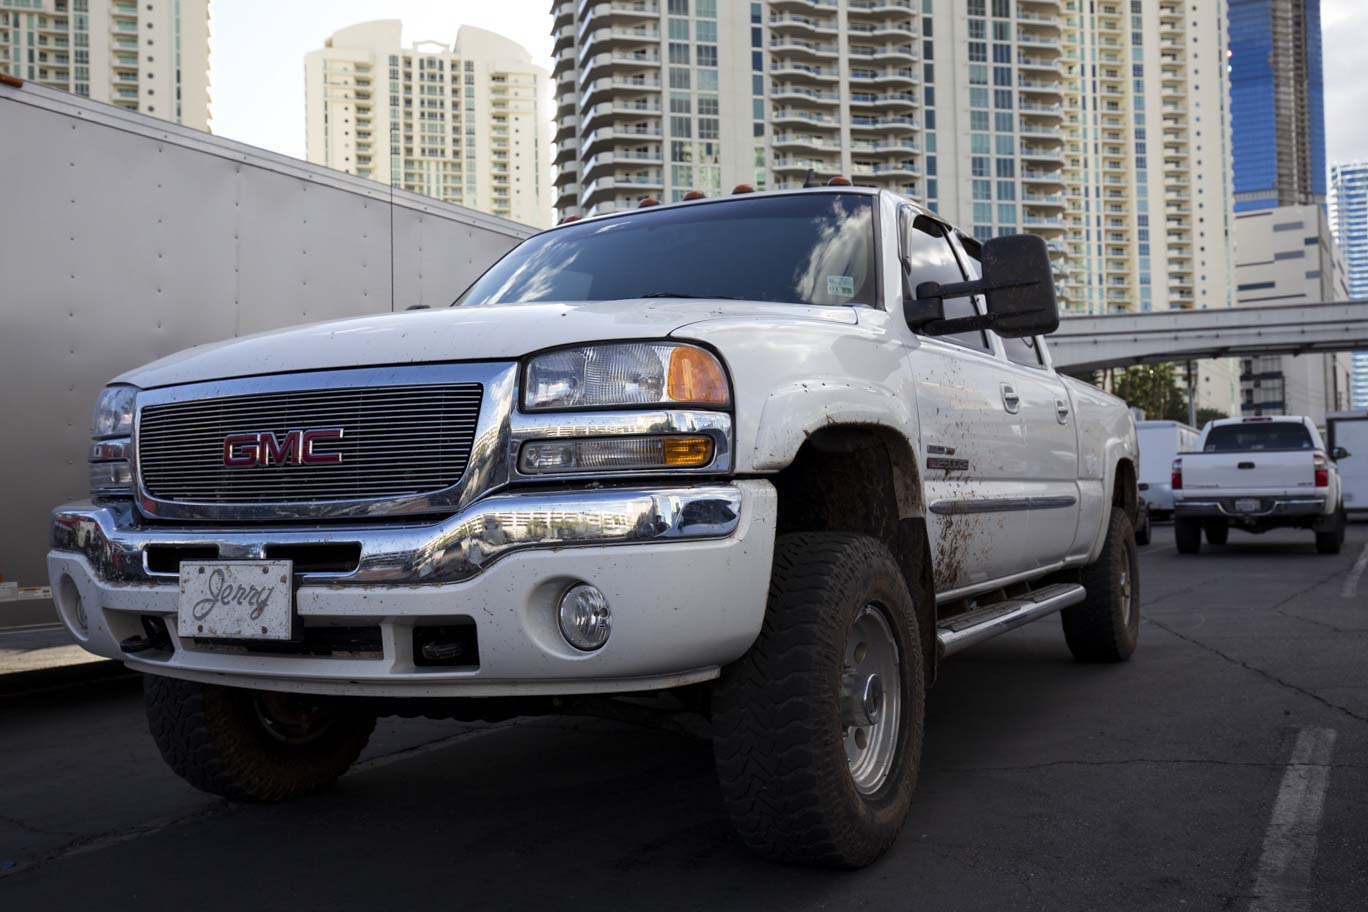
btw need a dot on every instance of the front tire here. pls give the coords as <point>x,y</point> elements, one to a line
<point>248,745</point>
<point>1105,627</point>
<point>1187,533</point>
<point>818,729</point>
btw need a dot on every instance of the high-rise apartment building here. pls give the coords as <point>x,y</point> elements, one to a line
<point>150,56</point>
<point>465,123</point>
<point>1349,216</point>
<point>1098,124</point>
<point>1288,255</point>
<point>1277,102</point>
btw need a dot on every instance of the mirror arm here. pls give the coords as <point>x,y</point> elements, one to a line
<point>958,325</point>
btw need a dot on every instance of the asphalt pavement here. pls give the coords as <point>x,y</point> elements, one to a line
<point>1224,767</point>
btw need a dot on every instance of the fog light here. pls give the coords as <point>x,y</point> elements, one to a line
<point>585,619</point>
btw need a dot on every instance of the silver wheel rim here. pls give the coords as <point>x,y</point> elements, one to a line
<point>291,721</point>
<point>871,699</point>
<point>1124,586</point>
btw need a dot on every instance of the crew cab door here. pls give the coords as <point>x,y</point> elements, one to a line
<point>972,430</point>
<point>1047,487</point>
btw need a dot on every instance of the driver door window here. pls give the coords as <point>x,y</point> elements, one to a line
<point>926,244</point>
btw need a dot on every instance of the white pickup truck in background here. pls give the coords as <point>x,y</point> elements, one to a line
<point>1258,474</point>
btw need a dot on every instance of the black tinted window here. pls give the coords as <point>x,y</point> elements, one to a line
<point>1280,435</point>
<point>815,248</point>
<point>931,259</point>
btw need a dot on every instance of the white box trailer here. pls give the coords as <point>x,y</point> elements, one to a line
<point>1159,442</point>
<point>126,238</point>
<point>1349,430</point>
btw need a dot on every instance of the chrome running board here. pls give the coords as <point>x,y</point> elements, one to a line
<point>964,630</point>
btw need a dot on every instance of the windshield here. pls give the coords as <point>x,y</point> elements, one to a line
<point>815,248</point>
<point>1281,435</point>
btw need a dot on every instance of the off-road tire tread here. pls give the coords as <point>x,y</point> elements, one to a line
<point>1094,628</point>
<point>211,738</point>
<point>788,801</point>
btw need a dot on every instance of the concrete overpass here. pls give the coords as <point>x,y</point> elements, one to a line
<point>1119,340</point>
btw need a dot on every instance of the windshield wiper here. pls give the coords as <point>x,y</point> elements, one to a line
<point>673,294</point>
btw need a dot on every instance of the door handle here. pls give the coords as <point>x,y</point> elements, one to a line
<point>1010,400</point>
<point>1062,411</point>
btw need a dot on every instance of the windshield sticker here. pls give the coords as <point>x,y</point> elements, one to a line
<point>841,286</point>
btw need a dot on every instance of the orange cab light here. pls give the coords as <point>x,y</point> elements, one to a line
<point>648,201</point>
<point>570,218</point>
<point>743,188</point>
<point>839,181</point>
<point>695,195</point>
<point>696,376</point>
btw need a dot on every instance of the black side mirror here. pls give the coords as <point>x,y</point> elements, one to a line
<point>1339,453</point>
<point>1017,283</point>
<point>1021,293</point>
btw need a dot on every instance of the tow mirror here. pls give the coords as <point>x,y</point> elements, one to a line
<point>1017,283</point>
<point>1339,453</point>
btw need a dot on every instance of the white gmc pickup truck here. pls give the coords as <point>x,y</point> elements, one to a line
<point>766,458</point>
<point>1258,474</point>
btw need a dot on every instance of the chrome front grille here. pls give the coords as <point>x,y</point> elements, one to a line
<point>397,441</point>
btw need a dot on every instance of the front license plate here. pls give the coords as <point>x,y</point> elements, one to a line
<point>1247,505</point>
<point>236,600</point>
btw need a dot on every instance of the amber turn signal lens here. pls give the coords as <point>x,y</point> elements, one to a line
<point>687,452</point>
<point>696,377</point>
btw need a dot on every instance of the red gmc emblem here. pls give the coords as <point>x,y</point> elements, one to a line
<point>263,448</point>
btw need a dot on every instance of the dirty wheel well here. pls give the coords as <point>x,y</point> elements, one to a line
<point>864,480</point>
<point>1125,494</point>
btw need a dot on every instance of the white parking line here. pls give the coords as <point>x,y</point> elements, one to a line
<point>1284,881</point>
<point>1352,580</point>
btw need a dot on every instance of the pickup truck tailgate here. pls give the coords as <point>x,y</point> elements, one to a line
<point>1251,470</point>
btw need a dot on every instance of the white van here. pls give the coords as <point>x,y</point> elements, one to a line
<point>1347,430</point>
<point>1160,441</point>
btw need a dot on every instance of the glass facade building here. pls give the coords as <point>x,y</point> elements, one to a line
<point>1349,216</point>
<point>1277,103</point>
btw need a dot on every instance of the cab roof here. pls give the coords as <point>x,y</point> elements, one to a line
<point>751,195</point>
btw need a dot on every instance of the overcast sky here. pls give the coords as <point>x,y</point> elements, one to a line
<point>259,47</point>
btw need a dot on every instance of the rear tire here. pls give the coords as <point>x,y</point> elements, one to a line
<point>1332,541</point>
<point>1143,531</point>
<point>1217,531</point>
<point>1187,533</point>
<point>799,783</point>
<point>249,745</point>
<point>1105,627</point>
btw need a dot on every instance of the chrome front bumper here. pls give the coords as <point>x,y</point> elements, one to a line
<point>685,568</point>
<point>115,541</point>
<point>1224,507</point>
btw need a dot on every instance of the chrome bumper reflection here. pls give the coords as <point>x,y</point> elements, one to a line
<point>114,539</point>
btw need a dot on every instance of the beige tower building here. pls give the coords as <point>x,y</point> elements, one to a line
<point>1102,125</point>
<point>463,122</point>
<point>150,56</point>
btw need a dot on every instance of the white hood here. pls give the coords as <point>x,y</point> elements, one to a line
<point>505,332</point>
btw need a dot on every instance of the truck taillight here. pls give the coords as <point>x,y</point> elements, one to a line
<point>1322,470</point>
<point>1177,475</point>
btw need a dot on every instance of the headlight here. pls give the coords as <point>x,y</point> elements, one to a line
<point>113,412</point>
<point>638,373</point>
<point>111,473</point>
